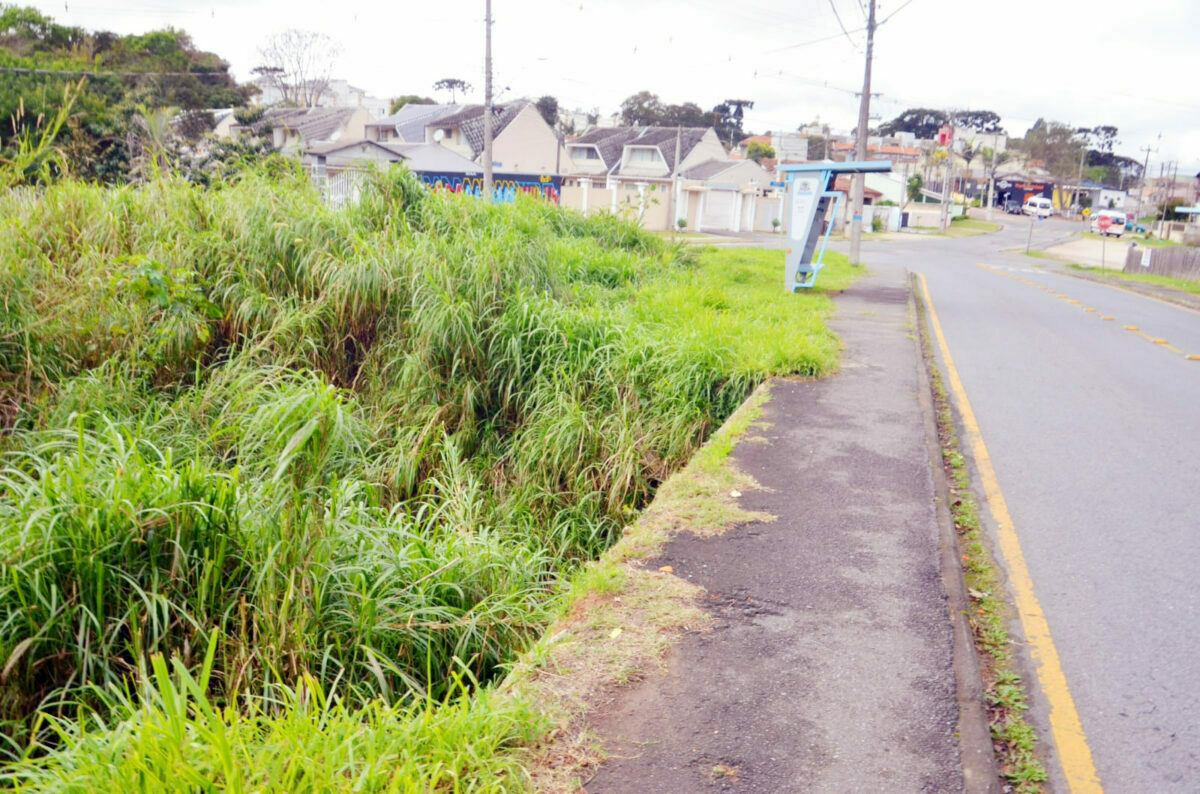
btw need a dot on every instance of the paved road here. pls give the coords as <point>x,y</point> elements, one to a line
<point>1094,433</point>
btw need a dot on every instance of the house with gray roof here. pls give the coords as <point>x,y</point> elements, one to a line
<point>293,129</point>
<point>664,175</point>
<point>522,142</point>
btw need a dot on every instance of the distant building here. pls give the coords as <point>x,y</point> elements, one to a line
<point>293,129</point>
<point>334,93</point>
<point>522,140</point>
<point>790,147</point>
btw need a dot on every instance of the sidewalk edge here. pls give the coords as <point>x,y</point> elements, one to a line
<point>980,770</point>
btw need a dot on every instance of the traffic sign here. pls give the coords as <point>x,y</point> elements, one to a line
<point>1087,212</point>
<point>1104,222</point>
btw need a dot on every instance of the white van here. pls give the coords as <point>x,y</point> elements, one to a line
<point>1117,227</point>
<point>1038,205</point>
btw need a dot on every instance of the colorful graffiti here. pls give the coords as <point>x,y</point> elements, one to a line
<point>505,186</point>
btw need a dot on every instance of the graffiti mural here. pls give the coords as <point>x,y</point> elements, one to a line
<point>505,186</point>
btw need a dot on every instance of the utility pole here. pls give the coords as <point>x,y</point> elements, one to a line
<point>487,104</point>
<point>948,184</point>
<point>860,151</point>
<point>992,176</point>
<point>1141,193</point>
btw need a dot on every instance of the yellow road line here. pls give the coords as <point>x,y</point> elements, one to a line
<point>1073,750</point>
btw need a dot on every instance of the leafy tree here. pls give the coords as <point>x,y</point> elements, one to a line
<point>915,183</point>
<point>642,109</point>
<point>645,109</point>
<point>816,148</point>
<point>454,86</point>
<point>728,119</point>
<point>94,141</point>
<point>924,123</point>
<point>758,151</point>
<point>921,122</point>
<point>547,106</point>
<point>409,99</point>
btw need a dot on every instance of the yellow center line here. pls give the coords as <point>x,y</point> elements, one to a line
<point>1071,741</point>
<point>1064,296</point>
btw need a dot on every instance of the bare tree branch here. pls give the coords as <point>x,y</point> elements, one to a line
<point>298,64</point>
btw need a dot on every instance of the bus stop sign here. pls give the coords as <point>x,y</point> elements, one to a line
<point>807,202</point>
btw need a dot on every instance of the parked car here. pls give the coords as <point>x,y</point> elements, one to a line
<point>1116,227</point>
<point>1039,206</point>
<point>1012,207</point>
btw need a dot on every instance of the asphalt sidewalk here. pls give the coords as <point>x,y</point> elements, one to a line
<point>831,666</point>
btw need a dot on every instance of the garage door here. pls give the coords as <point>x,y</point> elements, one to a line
<point>718,210</point>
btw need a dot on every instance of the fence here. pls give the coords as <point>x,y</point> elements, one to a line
<point>1183,262</point>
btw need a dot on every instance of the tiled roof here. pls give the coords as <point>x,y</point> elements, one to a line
<point>311,124</point>
<point>411,120</point>
<point>709,168</point>
<point>611,141</point>
<point>469,120</point>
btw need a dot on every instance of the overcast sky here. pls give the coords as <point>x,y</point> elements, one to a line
<point>1130,64</point>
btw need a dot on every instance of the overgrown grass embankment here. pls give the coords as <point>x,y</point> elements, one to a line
<point>285,488</point>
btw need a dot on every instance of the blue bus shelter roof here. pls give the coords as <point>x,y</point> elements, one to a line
<point>850,167</point>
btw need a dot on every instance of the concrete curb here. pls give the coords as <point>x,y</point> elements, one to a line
<point>980,772</point>
<point>1167,294</point>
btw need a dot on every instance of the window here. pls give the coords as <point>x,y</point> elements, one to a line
<point>584,153</point>
<point>642,155</point>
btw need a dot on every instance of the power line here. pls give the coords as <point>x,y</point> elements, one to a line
<point>838,17</point>
<point>813,41</point>
<point>93,73</point>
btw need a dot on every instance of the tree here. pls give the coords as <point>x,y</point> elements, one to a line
<point>727,119</point>
<point>924,123</point>
<point>642,109</point>
<point>915,183</point>
<point>816,148</point>
<point>409,99</point>
<point>547,106</point>
<point>970,149</point>
<point>94,141</point>
<point>757,151</point>
<point>454,86</point>
<point>298,64</point>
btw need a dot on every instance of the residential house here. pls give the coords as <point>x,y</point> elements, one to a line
<point>292,130</point>
<point>663,175</point>
<point>790,147</point>
<point>522,141</point>
<point>338,166</point>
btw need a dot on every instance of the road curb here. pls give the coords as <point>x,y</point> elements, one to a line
<point>1166,294</point>
<point>980,771</point>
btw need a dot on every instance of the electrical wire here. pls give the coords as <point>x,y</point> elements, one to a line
<point>838,17</point>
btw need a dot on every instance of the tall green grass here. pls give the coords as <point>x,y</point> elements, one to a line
<point>351,452</point>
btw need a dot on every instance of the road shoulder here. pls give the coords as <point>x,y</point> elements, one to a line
<point>830,662</point>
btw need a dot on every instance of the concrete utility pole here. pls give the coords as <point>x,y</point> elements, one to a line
<point>860,150</point>
<point>1142,192</point>
<point>487,104</point>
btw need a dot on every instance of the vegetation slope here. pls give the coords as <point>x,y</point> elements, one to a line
<point>284,487</point>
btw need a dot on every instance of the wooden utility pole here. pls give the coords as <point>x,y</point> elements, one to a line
<point>860,150</point>
<point>487,105</point>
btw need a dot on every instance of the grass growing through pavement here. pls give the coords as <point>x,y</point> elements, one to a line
<point>1014,738</point>
<point>281,481</point>
<point>1181,284</point>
